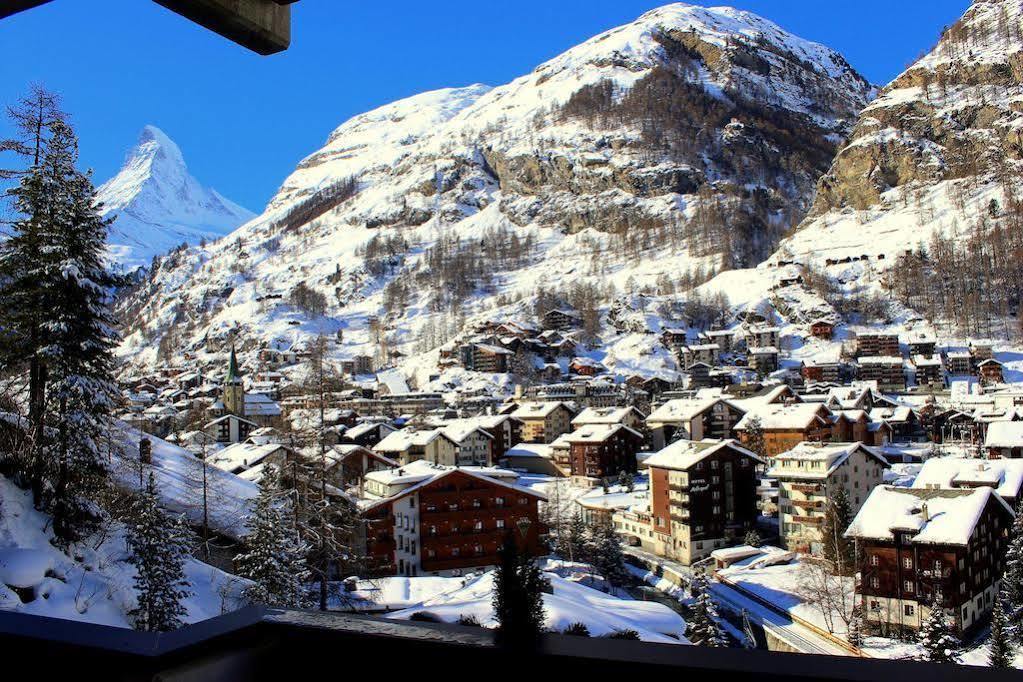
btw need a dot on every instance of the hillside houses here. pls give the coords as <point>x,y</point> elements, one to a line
<point>692,419</point>
<point>786,426</point>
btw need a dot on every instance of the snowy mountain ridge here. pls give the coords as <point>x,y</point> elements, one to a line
<point>159,205</point>
<point>646,158</point>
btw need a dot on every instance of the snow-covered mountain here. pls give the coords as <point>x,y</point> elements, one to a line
<point>159,205</point>
<point>647,159</point>
<point>931,152</point>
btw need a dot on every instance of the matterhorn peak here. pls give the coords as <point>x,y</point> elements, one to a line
<point>158,205</point>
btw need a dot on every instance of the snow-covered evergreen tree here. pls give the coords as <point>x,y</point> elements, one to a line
<point>572,541</point>
<point>518,597</point>
<point>606,550</point>
<point>838,549</point>
<point>704,629</point>
<point>158,547</point>
<point>937,637</point>
<point>275,562</point>
<point>80,331</point>
<point>855,636</point>
<point>755,436</point>
<point>1000,652</point>
<point>753,538</point>
<point>1012,578</point>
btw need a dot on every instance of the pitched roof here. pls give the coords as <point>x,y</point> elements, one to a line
<point>1004,434</point>
<point>598,433</point>
<point>780,417</point>
<point>1004,475</point>
<point>683,454</point>
<point>940,517</point>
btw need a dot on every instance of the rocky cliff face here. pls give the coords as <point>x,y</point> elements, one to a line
<point>648,157</point>
<point>938,145</point>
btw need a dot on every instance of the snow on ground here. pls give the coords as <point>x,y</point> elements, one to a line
<point>571,602</point>
<point>93,582</point>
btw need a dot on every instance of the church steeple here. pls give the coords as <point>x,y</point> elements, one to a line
<point>234,389</point>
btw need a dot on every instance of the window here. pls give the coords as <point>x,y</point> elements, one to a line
<point>875,582</point>
<point>908,586</point>
<point>907,562</point>
<point>873,560</point>
<point>500,523</point>
<point>909,610</point>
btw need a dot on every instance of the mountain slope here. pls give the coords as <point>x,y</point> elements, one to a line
<point>938,144</point>
<point>649,157</point>
<point>159,205</point>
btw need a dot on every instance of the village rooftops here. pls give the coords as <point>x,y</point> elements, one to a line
<point>405,439</point>
<point>599,433</point>
<point>538,410</point>
<point>363,428</point>
<point>880,360</point>
<point>420,473</point>
<point>460,430</point>
<point>238,457</point>
<point>819,460</point>
<point>605,415</point>
<point>681,409</point>
<point>936,517</point>
<point>541,450</point>
<point>1005,476</point>
<point>774,417</point>
<point>683,454</point>
<point>1004,434</point>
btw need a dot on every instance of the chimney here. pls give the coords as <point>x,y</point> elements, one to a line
<point>924,512</point>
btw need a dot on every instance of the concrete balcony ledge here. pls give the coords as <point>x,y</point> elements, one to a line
<point>260,644</point>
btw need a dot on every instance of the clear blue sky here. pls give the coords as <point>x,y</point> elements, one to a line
<point>244,121</point>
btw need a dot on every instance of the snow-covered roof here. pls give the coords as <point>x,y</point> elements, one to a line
<point>260,405</point>
<point>681,409</point>
<point>537,410</point>
<point>541,450</point>
<point>605,415</point>
<point>400,441</point>
<point>242,455</point>
<point>775,416</point>
<point>940,517</point>
<point>363,428</point>
<point>598,433</point>
<point>1004,475</point>
<point>422,473</point>
<point>459,431</point>
<point>830,455</point>
<point>683,454</point>
<point>1004,434</point>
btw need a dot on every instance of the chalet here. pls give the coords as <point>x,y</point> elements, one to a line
<point>674,339</point>
<point>918,545</point>
<point>504,430</point>
<point>692,419</point>
<point>349,464</point>
<point>786,426</point>
<point>877,345</point>
<point>702,497</point>
<point>543,422</point>
<point>411,445</point>
<point>929,370</point>
<point>958,363</point>
<point>699,374</point>
<point>1004,476</point>
<point>820,372</point>
<point>562,320</point>
<point>762,336</point>
<point>229,429</point>
<point>481,357</point>
<point>630,416</point>
<point>534,458</point>
<point>980,351</point>
<point>764,359</point>
<point>822,329</point>
<point>586,367</point>
<point>1004,440</point>
<point>598,452</point>
<point>724,338</point>
<point>990,371</point>
<point>904,422</point>
<point>922,345</point>
<point>809,474</point>
<point>887,371</point>
<point>451,523</point>
<point>474,446</point>
<point>857,426</point>
<point>367,433</point>
<point>239,457</point>
<point>709,353</point>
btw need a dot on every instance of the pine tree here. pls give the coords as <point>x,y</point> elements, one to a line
<point>755,436</point>
<point>1012,579</point>
<point>79,328</point>
<point>937,637</point>
<point>856,627</point>
<point>275,561</point>
<point>753,538</point>
<point>607,553</point>
<point>572,542</point>
<point>703,627</point>
<point>158,547</point>
<point>518,597</point>
<point>838,549</point>
<point>1000,654</point>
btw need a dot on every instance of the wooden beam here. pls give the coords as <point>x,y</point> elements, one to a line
<point>263,26</point>
<point>10,7</point>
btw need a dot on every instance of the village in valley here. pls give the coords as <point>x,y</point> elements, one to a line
<point>848,490</point>
<point>691,335</point>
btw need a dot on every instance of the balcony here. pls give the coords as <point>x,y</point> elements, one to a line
<point>461,562</point>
